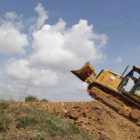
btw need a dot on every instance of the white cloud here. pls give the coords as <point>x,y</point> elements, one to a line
<point>11,15</point>
<point>59,26</point>
<point>119,59</point>
<point>20,70</point>
<point>44,77</point>
<point>56,50</point>
<point>11,39</point>
<point>63,49</point>
<point>82,86</point>
<point>42,16</point>
<point>13,19</point>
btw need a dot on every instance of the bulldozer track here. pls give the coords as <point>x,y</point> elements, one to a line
<point>116,101</point>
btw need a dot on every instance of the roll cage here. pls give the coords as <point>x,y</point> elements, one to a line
<point>126,79</point>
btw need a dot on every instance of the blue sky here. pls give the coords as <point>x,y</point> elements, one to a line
<point>119,20</point>
<point>115,22</point>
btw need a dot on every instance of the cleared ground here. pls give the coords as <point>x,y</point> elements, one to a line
<point>96,118</point>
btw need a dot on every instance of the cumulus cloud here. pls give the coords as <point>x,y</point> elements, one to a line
<point>63,49</point>
<point>11,15</point>
<point>20,70</point>
<point>12,40</point>
<point>56,50</point>
<point>119,59</point>
<point>42,16</point>
<point>13,19</point>
<point>82,86</point>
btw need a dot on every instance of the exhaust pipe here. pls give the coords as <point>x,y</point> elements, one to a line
<point>125,70</point>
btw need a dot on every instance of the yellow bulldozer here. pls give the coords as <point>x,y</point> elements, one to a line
<point>120,93</point>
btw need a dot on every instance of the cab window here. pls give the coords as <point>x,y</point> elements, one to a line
<point>130,81</point>
<point>137,91</point>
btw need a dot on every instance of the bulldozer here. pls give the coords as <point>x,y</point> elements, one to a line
<point>118,92</point>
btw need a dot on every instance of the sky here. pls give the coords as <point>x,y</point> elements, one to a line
<point>41,41</point>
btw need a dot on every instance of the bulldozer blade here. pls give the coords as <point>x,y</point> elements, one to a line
<point>86,71</point>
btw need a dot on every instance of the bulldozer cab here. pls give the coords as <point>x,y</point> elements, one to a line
<point>131,83</point>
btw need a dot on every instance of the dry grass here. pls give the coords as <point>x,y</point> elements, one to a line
<point>31,123</point>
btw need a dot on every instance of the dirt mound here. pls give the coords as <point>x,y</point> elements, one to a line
<point>96,118</point>
<point>22,121</point>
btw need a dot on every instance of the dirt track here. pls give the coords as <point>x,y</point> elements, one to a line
<point>96,118</point>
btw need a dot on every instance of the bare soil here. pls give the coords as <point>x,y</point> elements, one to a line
<point>96,118</point>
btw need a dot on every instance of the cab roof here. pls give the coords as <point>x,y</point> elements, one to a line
<point>137,69</point>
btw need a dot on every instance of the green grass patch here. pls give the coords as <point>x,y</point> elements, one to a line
<point>31,118</point>
<point>4,120</point>
<point>3,137</point>
<point>38,137</point>
<point>74,129</point>
<point>3,105</point>
<point>26,121</point>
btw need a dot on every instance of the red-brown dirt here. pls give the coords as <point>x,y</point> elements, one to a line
<point>96,118</point>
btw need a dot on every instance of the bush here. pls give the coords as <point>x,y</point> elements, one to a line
<point>26,121</point>
<point>3,105</point>
<point>44,100</point>
<point>30,98</point>
<point>4,121</point>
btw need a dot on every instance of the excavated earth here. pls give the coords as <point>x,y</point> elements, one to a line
<point>96,118</point>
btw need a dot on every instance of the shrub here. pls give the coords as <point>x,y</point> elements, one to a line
<point>3,105</point>
<point>4,124</point>
<point>4,121</point>
<point>26,121</point>
<point>30,98</point>
<point>44,100</point>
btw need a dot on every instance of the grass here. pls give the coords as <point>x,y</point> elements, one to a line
<point>4,120</point>
<point>38,137</point>
<point>13,115</point>
<point>74,129</point>
<point>43,120</point>
<point>3,137</point>
<point>26,121</point>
